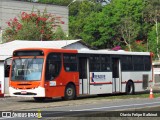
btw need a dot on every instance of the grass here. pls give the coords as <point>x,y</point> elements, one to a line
<point>123,96</point>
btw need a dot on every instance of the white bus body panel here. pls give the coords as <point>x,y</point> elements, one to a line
<point>102,86</point>
<point>100,89</point>
<point>83,84</point>
<point>100,82</point>
<point>137,78</point>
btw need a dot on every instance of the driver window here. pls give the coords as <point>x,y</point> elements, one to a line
<point>53,66</point>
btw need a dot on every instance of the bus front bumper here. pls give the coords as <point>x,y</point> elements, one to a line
<point>37,92</point>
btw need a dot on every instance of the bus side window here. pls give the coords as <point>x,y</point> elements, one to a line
<point>105,63</point>
<point>127,64</point>
<point>138,63</point>
<point>53,66</point>
<point>95,63</point>
<point>147,63</point>
<point>70,62</point>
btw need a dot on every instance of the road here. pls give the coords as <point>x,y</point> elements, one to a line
<point>115,105</point>
<point>81,107</point>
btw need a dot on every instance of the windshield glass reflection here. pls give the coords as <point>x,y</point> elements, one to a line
<point>27,69</point>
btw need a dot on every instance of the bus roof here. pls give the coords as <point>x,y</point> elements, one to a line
<point>86,51</point>
<point>120,52</point>
<point>48,50</point>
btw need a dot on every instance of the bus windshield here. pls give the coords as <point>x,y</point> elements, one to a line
<point>28,69</point>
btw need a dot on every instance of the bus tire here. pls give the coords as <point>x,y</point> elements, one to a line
<point>130,88</point>
<point>39,99</point>
<point>70,92</point>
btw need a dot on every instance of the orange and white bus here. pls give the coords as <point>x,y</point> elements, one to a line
<point>46,73</point>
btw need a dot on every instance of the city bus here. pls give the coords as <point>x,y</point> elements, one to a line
<point>48,73</point>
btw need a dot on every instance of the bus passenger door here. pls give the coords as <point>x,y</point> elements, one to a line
<point>83,76</point>
<point>116,75</point>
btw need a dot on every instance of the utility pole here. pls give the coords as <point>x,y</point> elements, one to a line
<point>71,3</point>
<point>68,15</point>
<point>1,41</point>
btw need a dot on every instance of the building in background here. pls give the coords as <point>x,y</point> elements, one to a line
<point>156,72</point>
<point>103,2</point>
<point>12,8</point>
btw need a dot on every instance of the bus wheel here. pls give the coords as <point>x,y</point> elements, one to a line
<point>39,99</point>
<point>130,88</point>
<point>70,92</point>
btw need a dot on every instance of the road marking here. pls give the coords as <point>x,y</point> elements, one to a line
<point>6,117</point>
<point>137,108</point>
<point>53,112</point>
<point>115,106</point>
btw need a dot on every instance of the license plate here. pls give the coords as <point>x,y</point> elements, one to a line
<point>23,92</point>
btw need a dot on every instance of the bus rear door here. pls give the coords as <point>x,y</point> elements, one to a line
<point>116,75</point>
<point>83,75</point>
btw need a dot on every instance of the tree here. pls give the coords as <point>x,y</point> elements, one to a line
<point>59,34</point>
<point>129,31</point>
<point>127,15</point>
<point>33,26</point>
<point>79,13</point>
<point>98,31</point>
<point>152,16</point>
<point>152,39</point>
<point>101,29</point>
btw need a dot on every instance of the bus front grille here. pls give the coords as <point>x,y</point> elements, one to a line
<point>24,84</point>
<point>28,93</point>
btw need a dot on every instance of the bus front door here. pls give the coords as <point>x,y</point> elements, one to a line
<point>116,75</point>
<point>83,76</point>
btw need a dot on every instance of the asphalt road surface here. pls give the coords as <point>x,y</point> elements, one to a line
<point>99,108</point>
<point>117,105</point>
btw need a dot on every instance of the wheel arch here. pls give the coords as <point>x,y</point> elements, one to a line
<point>71,83</point>
<point>130,81</point>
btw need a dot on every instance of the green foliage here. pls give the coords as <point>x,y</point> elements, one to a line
<point>152,37</point>
<point>139,45</point>
<point>120,23</point>
<point>124,17</point>
<point>152,11</point>
<point>128,30</point>
<point>80,13</point>
<point>59,34</point>
<point>26,33</point>
<point>34,26</point>
<point>100,27</point>
<point>152,16</point>
<point>130,24</point>
<point>97,31</point>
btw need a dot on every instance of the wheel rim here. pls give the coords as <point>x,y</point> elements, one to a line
<point>69,91</point>
<point>130,89</point>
